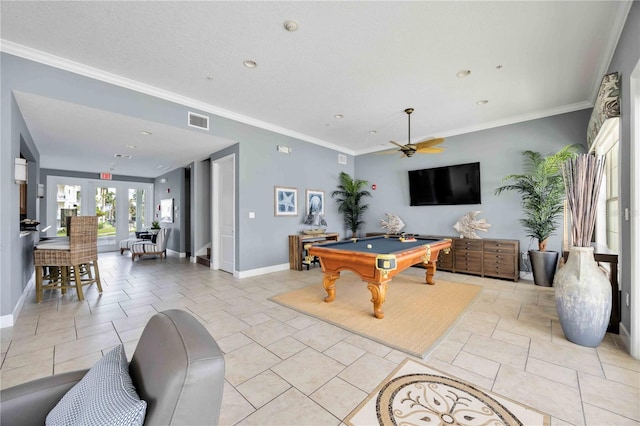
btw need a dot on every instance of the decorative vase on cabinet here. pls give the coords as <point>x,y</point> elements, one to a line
<point>583,298</point>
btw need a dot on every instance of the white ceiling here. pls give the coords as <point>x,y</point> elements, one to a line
<point>365,60</point>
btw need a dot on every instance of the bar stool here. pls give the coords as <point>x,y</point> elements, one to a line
<point>73,257</point>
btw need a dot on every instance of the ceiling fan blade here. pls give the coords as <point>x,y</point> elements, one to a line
<point>429,143</point>
<point>429,150</point>
<point>389,151</point>
<point>397,144</point>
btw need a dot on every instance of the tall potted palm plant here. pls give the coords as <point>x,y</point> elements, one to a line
<point>542,189</point>
<point>349,196</point>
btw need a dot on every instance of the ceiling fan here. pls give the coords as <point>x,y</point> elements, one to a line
<point>424,147</point>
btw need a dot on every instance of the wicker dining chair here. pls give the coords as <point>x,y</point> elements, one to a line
<point>75,258</point>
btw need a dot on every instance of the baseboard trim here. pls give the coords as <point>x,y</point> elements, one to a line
<point>176,253</point>
<point>10,320</point>
<point>261,271</point>
<point>625,336</point>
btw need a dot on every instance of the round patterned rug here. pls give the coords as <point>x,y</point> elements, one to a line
<point>428,399</point>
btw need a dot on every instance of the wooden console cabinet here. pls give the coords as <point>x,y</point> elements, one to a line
<point>484,257</point>
<point>296,246</point>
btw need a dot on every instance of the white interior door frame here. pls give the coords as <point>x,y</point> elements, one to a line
<point>634,344</point>
<point>215,215</point>
<point>216,210</point>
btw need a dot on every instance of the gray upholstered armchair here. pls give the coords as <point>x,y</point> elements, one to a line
<point>177,369</point>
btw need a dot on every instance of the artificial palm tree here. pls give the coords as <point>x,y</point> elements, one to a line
<point>349,196</point>
<point>542,190</point>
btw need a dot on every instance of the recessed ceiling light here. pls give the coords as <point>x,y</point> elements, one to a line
<point>128,157</point>
<point>463,73</point>
<point>482,102</point>
<point>290,26</point>
<point>131,146</point>
<point>210,77</point>
<point>250,64</point>
<point>339,116</point>
<point>145,132</point>
<point>373,132</point>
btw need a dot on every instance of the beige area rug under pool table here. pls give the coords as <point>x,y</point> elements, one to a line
<point>416,315</point>
<point>416,394</point>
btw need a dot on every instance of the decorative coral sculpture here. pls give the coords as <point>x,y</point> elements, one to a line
<point>468,225</point>
<point>393,224</point>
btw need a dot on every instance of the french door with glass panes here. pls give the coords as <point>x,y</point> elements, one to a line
<point>122,207</point>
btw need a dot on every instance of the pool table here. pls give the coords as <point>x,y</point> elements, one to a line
<point>376,260</point>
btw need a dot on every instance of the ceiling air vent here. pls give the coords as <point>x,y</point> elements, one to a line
<point>199,121</point>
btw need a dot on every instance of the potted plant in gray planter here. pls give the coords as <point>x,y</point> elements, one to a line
<point>349,196</point>
<point>542,189</point>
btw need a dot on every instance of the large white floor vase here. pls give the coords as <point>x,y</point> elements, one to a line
<point>583,298</point>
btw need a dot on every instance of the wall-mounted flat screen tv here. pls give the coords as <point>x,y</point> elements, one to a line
<point>459,184</point>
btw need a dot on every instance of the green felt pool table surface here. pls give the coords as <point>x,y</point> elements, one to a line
<point>379,244</point>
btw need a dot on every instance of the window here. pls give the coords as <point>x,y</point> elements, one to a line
<point>607,230</point>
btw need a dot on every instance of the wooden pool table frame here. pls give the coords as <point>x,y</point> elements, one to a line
<point>334,260</point>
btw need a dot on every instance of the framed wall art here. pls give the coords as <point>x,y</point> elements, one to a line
<point>286,201</point>
<point>315,202</point>
<point>166,210</point>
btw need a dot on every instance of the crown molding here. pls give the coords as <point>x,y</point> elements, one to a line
<point>503,122</point>
<point>612,43</point>
<point>100,75</point>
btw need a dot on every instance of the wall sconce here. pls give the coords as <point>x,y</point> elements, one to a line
<point>163,180</point>
<point>20,171</point>
<point>40,190</point>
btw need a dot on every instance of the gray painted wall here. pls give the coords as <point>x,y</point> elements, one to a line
<point>499,152</point>
<point>174,187</point>
<point>264,240</point>
<point>200,206</point>
<point>624,60</point>
<point>14,137</point>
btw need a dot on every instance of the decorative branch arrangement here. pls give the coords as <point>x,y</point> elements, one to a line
<point>582,178</point>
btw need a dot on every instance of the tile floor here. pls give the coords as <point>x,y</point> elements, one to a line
<point>285,368</point>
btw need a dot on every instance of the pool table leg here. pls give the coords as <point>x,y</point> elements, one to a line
<point>329,283</point>
<point>431,271</point>
<point>378,295</point>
